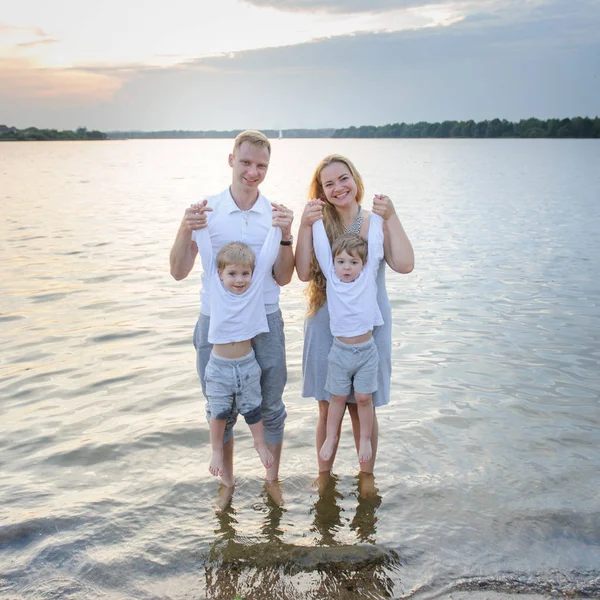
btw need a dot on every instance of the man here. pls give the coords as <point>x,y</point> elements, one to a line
<point>242,213</point>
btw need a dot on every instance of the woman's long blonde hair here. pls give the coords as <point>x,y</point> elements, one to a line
<point>316,289</point>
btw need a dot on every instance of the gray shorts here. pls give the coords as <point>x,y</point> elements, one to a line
<point>352,366</point>
<point>269,349</point>
<point>233,380</point>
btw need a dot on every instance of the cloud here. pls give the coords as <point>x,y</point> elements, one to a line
<point>463,72</point>
<point>28,81</point>
<point>343,6</point>
<point>22,36</point>
<point>36,43</point>
<point>23,80</point>
<point>543,64</point>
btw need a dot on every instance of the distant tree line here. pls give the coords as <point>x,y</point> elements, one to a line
<point>213,134</point>
<point>578,127</point>
<point>33,134</point>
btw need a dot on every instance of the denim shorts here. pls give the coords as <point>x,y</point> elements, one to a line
<point>234,380</point>
<point>352,366</point>
<point>269,349</point>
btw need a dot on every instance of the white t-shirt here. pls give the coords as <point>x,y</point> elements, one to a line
<point>238,317</point>
<point>353,308</point>
<point>227,223</point>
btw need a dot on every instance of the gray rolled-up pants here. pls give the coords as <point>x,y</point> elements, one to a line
<point>269,349</point>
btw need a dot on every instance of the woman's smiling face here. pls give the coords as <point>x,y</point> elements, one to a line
<point>338,184</point>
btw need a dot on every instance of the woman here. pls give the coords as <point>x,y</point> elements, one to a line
<point>336,192</point>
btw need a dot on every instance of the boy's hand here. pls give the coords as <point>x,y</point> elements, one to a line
<point>283,217</point>
<point>195,216</point>
<point>313,212</point>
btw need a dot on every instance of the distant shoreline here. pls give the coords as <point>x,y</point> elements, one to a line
<point>576,127</point>
<point>33,134</point>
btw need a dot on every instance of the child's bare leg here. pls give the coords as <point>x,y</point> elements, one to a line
<point>368,466</point>
<point>337,407</point>
<point>325,466</point>
<point>364,403</point>
<point>258,434</point>
<point>217,431</point>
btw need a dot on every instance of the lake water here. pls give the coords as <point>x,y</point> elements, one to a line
<point>488,472</point>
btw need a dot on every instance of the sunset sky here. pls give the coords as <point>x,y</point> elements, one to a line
<point>227,64</point>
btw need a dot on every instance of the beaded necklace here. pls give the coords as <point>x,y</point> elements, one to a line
<point>354,227</point>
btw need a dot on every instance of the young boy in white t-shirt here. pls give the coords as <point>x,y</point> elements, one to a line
<point>237,314</point>
<point>350,267</point>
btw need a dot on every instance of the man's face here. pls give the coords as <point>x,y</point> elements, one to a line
<point>249,164</point>
<point>236,278</point>
<point>347,267</point>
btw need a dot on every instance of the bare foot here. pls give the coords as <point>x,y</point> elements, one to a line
<point>224,496</point>
<point>274,490</point>
<point>320,483</point>
<point>325,483</point>
<point>216,463</point>
<point>228,480</point>
<point>265,456</point>
<point>366,485</point>
<point>328,448</point>
<point>365,452</point>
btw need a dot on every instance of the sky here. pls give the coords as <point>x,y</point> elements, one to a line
<point>282,64</point>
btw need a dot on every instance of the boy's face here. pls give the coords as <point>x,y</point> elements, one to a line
<point>236,278</point>
<point>347,267</point>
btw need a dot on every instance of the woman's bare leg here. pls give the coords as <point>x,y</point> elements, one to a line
<point>321,434</point>
<point>365,467</point>
<point>337,408</point>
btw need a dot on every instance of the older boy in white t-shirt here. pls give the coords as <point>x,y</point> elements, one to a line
<point>238,314</point>
<point>350,267</point>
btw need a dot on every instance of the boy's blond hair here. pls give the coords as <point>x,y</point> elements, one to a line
<point>256,138</point>
<point>235,253</point>
<point>351,243</point>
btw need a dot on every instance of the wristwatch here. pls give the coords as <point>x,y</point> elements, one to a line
<point>288,243</point>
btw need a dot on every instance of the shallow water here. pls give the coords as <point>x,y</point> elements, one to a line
<point>487,476</point>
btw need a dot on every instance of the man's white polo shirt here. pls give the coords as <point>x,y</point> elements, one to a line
<point>227,223</point>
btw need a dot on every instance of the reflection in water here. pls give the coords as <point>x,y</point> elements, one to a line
<point>327,513</point>
<point>369,501</point>
<point>272,568</point>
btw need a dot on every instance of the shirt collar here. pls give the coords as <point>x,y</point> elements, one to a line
<point>257,207</point>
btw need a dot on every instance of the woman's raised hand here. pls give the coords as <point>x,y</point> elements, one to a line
<point>313,212</point>
<point>383,206</point>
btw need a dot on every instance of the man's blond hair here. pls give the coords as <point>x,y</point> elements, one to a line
<point>256,138</point>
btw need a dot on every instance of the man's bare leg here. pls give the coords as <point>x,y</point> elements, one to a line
<point>272,474</point>
<point>227,478</point>
<point>224,496</point>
